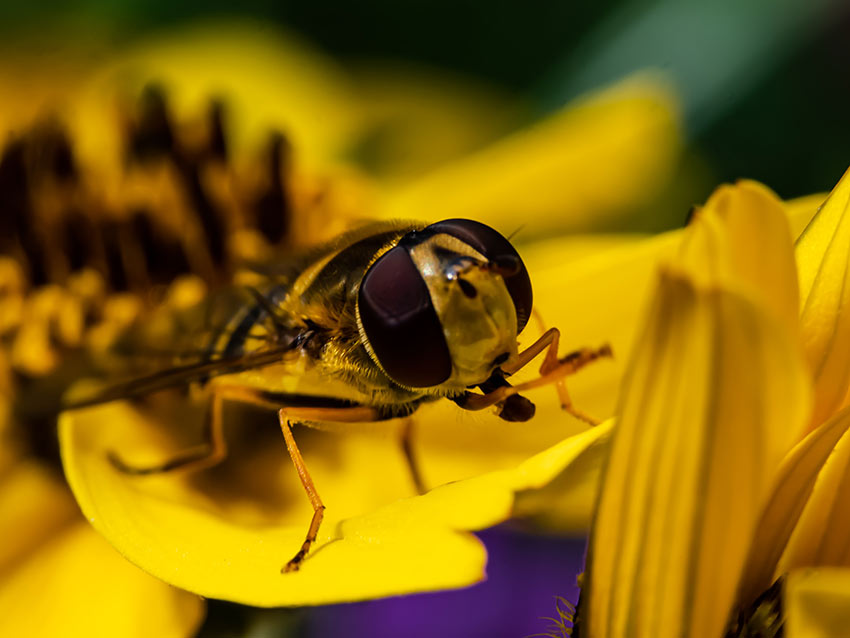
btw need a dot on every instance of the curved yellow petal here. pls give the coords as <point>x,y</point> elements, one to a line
<point>187,537</point>
<point>822,535</point>
<point>741,240</point>
<point>34,505</point>
<point>817,603</point>
<point>792,488</point>
<point>77,585</point>
<point>823,255</point>
<point>565,497</point>
<point>714,396</point>
<point>604,155</point>
<point>801,210</point>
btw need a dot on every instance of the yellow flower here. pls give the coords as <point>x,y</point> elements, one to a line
<point>726,471</point>
<point>127,173</point>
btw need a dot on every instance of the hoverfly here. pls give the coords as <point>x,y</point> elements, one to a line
<point>398,313</point>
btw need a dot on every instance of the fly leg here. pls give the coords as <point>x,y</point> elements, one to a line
<point>200,457</point>
<point>353,414</point>
<point>553,370</point>
<point>410,456</point>
<point>309,487</point>
<point>306,410</point>
<point>214,449</point>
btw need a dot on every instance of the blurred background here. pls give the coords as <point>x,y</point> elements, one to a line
<point>762,84</point>
<point>754,89</point>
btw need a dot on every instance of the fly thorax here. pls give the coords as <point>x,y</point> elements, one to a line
<point>475,310</point>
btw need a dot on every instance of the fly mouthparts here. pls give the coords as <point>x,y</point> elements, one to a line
<point>514,408</point>
<point>517,409</point>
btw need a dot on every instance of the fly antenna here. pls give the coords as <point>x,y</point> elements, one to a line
<point>516,232</point>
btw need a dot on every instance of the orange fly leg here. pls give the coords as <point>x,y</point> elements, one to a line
<point>354,414</point>
<point>200,457</point>
<point>568,365</point>
<point>214,450</point>
<point>410,456</point>
<point>553,370</point>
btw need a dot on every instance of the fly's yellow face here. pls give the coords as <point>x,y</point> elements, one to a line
<point>441,310</point>
<point>473,305</point>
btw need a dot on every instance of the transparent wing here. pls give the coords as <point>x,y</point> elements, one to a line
<point>232,331</point>
<point>179,376</point>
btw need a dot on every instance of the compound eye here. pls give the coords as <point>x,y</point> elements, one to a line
<point>401,324</point>
<point>499,251</point>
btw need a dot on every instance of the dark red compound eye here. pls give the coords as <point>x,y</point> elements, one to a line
<point>401,324</point>
<point>500,252</point>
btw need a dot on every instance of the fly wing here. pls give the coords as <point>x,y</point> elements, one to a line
<point>179,376</point>
<point>169,336</point>
<point>232,331</point>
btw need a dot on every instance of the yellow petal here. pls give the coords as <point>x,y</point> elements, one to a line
<point>817,603</point>
<point>741,240</point>
<point>801,210</point>
<point>714,395</point>
<point>792,488</point>
<point>822,535</point>
<point>823,253</point>
<point>77,585</point>
<point>417,119</point>
<point>189,538</point>
<point>564,497</point>
<point>34,505</point>
<point>605,155</point>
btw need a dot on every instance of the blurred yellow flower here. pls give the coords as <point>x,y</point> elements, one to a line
<point>713,488</point>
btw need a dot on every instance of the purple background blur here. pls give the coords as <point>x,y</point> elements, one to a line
<point>525,573</point>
